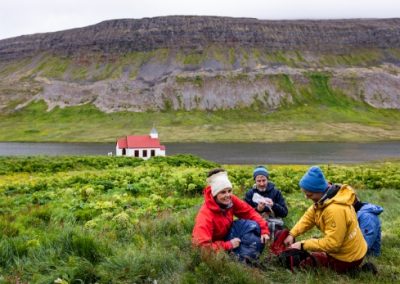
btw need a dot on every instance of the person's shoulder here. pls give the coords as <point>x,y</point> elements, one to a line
<point>310,211</point>
<point>236,199</point>
<point>337,209</point>
<point>203,208</point>
<point>272,186</point>
<point>205,213</point>
<point>237,202</point>
<point>250,191</point>
<point>371,208</point>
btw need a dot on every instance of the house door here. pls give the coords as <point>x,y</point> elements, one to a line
<point>123,152</point>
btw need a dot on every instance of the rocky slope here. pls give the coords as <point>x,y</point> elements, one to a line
<point>207,63</point>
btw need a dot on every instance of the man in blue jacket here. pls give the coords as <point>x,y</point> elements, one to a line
<point>266,199</point>
<point>370,225</point>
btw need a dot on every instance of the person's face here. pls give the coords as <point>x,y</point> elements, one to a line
<point>261,182</point>
<point>314,196</point>
<point>224,196</point>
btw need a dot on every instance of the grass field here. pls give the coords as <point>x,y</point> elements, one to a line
<point>122,220</point>
<point>300,123</point>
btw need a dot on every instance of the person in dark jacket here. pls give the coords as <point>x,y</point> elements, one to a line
<point>272,204</point>
<point>370,225</point>
<point>267,200</point>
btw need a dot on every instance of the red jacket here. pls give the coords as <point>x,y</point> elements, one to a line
<point>213,223</point>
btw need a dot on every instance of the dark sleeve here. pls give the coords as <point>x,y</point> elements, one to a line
<point>249,198</point>
<point>280,208</point>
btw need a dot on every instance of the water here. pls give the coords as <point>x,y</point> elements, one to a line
<point>232,153</point>
<point>291,152</point>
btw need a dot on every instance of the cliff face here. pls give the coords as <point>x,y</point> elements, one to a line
<point>198,32</point>
<point>188,62</point>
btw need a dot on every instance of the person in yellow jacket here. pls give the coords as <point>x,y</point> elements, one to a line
<point>342,246</point>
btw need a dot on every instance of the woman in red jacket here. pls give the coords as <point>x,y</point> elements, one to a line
<point>216,214</point>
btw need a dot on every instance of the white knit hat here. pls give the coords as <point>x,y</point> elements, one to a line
<point>218,182</point>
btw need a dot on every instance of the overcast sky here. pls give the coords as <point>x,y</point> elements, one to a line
<point>19,17</point>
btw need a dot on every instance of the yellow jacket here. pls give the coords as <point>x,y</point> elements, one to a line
<point>336,219</point>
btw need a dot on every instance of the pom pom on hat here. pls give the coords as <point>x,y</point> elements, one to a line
<point>314,180</point>
<point>260,171</point>
<point>218,182</point>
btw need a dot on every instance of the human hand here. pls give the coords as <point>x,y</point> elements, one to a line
<point>288,241</point>
<point>296,245</point>
<point>269,202</point>
<point>235,242</point>
<point>264,238</point>
<point>260,206</point>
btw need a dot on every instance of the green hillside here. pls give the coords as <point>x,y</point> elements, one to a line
<point>318,97</point>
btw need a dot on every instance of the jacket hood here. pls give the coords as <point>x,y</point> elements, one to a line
<point>339,195</point>
<point>210,201</point>
<point>371,208</point>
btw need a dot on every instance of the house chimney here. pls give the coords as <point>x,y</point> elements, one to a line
<point>153,133</point>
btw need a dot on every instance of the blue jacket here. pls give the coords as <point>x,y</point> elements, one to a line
<point>370,226</point>
<point>280,209</point>
<point>249,233</point>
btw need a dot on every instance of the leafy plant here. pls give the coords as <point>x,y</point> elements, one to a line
<point>113,220</point>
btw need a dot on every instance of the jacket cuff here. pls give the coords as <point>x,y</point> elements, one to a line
<point>228,245</point>
<point>266,231</point>
<point>292,234</point>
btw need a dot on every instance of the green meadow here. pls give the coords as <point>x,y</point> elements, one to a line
<point>317,113</point>
<point>301,123</point>
<point>124,220</point>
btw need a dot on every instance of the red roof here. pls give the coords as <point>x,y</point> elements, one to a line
<point>144,141</point>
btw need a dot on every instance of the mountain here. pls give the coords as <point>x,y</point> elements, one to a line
<point>194,32</point>
<point>205,63</point>
<point>204,78</point>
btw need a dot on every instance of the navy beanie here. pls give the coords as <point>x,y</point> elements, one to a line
<point>260,171</point>
<point>314,180</point>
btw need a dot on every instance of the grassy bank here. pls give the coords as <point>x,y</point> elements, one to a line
<point>121,220</point>
<point>313,111</point>
<point>310,122</point>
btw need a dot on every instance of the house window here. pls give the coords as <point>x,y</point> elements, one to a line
<point>123,152</point>
<point>136,153</point>
<point>153,153</point>
<point>144,153</point>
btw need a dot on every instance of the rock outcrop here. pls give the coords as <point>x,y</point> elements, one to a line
<point>207,63</point>
<point>193,32</point>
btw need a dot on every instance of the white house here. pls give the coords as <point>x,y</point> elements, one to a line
<point>144,146</point>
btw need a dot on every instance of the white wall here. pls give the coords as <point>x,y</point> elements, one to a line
<point>118,151</point>
<point>131,152</point>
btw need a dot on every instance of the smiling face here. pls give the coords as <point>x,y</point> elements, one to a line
<point>314,196</point>
<point>224,196</point>
<point>261,182</point>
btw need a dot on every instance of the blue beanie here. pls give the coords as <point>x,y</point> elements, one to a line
<point>314,180</point>
<point>260,171</point>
